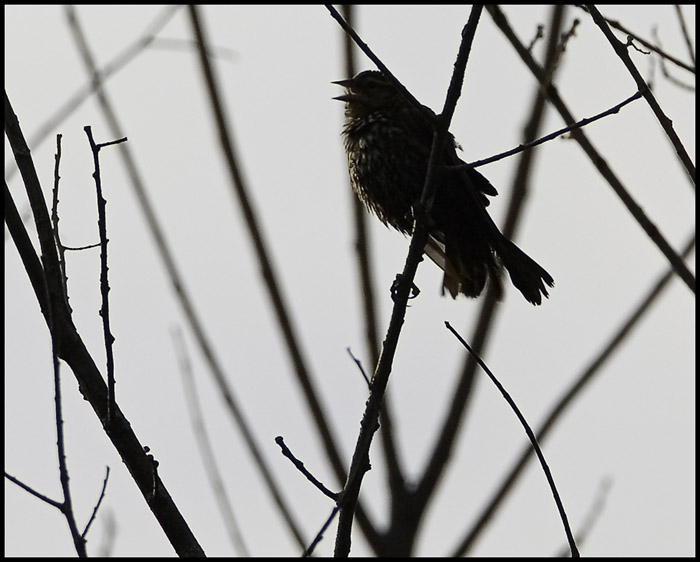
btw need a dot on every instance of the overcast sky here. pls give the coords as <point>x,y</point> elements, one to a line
<point>631,432</point>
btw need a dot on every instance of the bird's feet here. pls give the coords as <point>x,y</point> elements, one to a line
<point>415,291</point>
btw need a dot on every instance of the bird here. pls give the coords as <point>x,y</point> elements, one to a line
<point>387,142</point>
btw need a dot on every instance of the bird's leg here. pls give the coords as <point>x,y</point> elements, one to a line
<point>415,291</point>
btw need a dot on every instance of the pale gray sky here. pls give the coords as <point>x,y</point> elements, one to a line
<point>633,426</point>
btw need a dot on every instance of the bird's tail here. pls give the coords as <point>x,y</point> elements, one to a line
<point>527,275</point>
<point>463,275</point>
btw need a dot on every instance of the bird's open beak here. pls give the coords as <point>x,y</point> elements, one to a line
<point>347,83</point>
<point>346,97</point>
<point>344,83</point>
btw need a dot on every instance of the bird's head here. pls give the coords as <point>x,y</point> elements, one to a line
<point>367,92</point>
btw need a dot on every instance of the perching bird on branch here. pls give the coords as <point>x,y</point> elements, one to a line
<point>388,143</point>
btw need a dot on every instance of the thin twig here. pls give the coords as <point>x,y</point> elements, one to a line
<point>33,492</point>
<point>104,268</point>
<point>55,218</point>
<point>319,536</point>
<point>649,45</point>
<point>80,248</point>
<point>533,441</point>
<point>54,328</point>
<point>301,468</point>
<point>555,134</point>
<point>359,366</point>
<point>97,505</point>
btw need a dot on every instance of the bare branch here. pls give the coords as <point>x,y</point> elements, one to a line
<point>655,48</point>
<point>269,275</point>
<point>555,134</point>
<point>97,505</point>
<point>216,481</point>
<point>634,208</point>
<point>369,425</point>
<point>531,437</point>
<point>33,492</point>
<point>445,439</point>
<point>301,468</point>
<point>666,123</point>
<point>104,268</point>
<point>387,435</point>
<point>67,505</point>
<point>176,279</point>
<point>359,366</point>
<point>317,539</point>
<point>70,347</point>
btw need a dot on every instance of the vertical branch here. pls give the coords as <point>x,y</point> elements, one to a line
<point>55,219</point>
<point>67,505</point>
<point>104,279</point>
<point>369,425</point>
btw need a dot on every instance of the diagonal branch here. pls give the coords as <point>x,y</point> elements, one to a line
<point>71,348</point>
<point>33,492</point>
<point>635,210</point>
<point>649,45</point>
<point>666,123</point>
<point>369,425</point>
<point>532,144</point>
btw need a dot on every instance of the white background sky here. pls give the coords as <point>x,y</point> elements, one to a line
<point>634,425</point>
